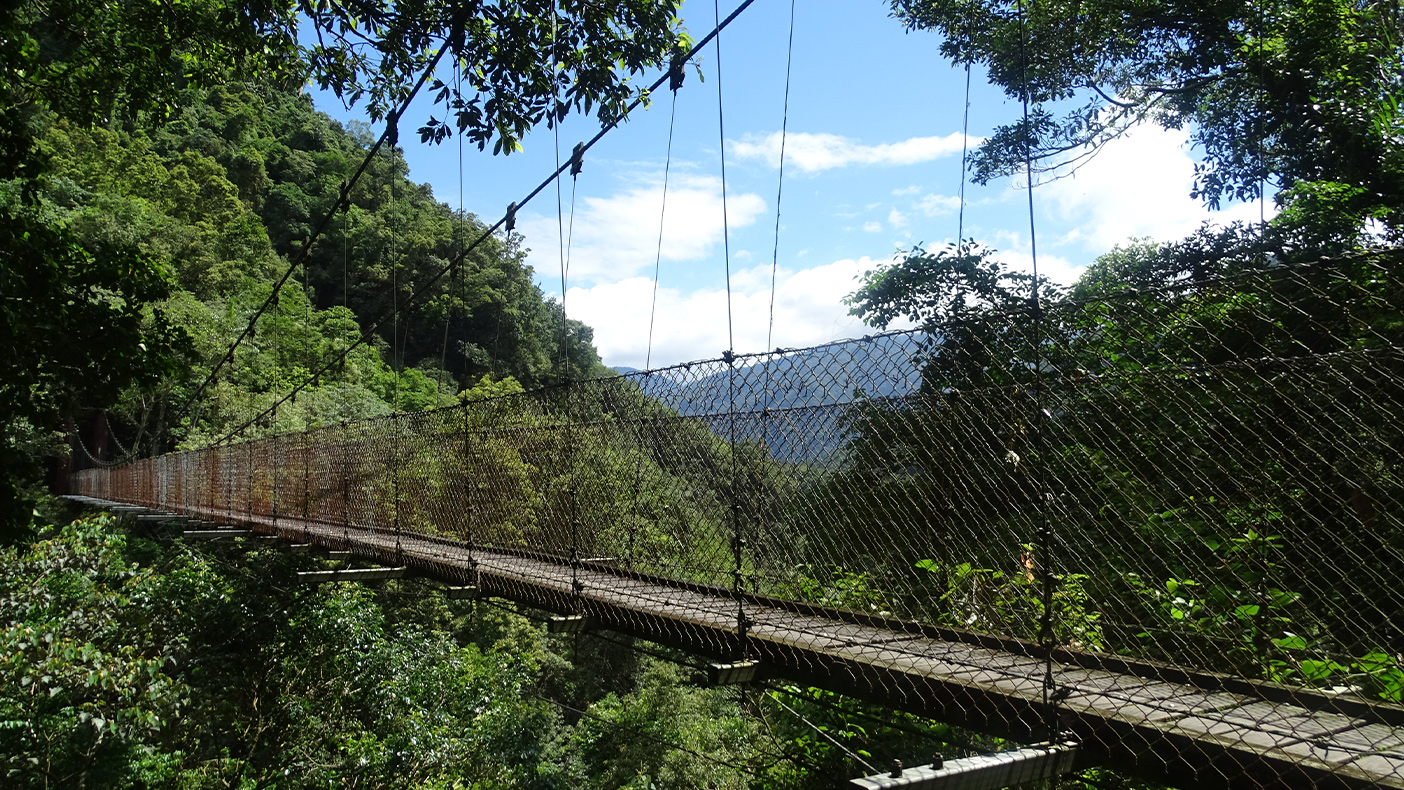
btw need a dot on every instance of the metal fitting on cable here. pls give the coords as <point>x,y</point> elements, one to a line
<point>511,222</point>
<point>392,130</point>
<point>676,71</point>
<point>577,159</point>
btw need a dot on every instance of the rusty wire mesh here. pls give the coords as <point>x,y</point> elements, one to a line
<point>1200,484</point>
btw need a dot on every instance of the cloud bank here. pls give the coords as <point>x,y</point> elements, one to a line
<point>813,153</point>
<point>616,237</point>
<point>693,325</point>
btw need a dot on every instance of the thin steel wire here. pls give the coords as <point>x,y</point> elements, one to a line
<point>1228,451</point>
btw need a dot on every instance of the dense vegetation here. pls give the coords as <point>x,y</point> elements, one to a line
<point>134,661</point>
<point>148,204</point>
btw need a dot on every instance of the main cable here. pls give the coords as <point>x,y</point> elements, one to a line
<point>487,233</point>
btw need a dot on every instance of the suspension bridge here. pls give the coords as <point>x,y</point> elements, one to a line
<point>1183,554</point>
<point>1158,530</point>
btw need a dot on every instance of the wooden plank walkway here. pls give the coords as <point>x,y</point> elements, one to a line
<point>1200,731</point>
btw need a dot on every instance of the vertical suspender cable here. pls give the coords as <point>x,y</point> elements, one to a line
<point>396,351</point>
<point>964,163</point>
<point>273,419</point>
<point>721,139</point>
<point>346,251</point>
<point>676,73</point>
<point>1262,134</point>
<point>742,624</point>
<point>780,186</point>
<point>775,249</point>
<point>570,437</point>
<point>555,121</point>
<point>1045,533</point>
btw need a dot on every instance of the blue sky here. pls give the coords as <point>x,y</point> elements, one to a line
<point>872,166</point>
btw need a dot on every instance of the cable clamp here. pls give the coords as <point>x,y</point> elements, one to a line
<point>676,72</point>
<point>577,159</point>
<point>392,129</point>
<point>510,222</point>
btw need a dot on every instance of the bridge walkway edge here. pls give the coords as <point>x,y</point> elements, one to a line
<point>1183,733</point>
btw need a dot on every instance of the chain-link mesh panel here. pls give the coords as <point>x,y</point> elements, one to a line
<point>1168,520</point>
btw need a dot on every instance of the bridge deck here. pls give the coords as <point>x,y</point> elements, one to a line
<point>1192,734</point>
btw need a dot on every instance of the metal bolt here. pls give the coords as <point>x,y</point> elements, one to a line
<point>896,768</point>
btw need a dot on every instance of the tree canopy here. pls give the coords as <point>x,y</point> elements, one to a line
<point>130,194</point>
<point>1294,95</point>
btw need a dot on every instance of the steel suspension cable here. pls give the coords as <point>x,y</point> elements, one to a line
<point>560,211</point>
<point>766,420</point>
<point>676,72</point>
<point>826,736</point>
<point>396,356</point>
<point>964,163</point>
<point>1045,532</point>
<point>648,735</point>
<point>780,185</point>
<point>662,214</point>
<point>742,623</point>
<point>721,140</point>
<point>487,233</point>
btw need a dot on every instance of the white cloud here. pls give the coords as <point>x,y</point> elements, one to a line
<point>617,236</point>
<point>1053,267</point>
<point>911,190</point>
<point>938,205</point>
<point>896,219</point>
<point>872,227</point>
<point>688,326</point>
<point>1137,185</point>
<point>815,152</point>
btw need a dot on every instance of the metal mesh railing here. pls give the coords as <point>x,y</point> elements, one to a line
<point>1201,483</point>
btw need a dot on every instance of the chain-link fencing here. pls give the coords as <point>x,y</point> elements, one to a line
<point>1173,503</point>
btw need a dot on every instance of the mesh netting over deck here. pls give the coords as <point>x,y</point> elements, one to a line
<point>1205,477</point>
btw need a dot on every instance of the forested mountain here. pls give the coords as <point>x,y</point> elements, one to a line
<point>224,194</point>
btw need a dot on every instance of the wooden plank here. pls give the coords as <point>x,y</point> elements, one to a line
<point>1386,768</point>
<point>566,624</point>
<point>1261,734</point>
<point>351,575</point>
<point>1371,738</point>
<point>735,673</point>
<point>217,533</point>
<point>982,772</point>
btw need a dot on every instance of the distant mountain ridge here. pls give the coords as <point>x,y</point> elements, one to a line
<point>794,401</point>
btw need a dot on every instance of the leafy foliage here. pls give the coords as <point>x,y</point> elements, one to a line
<point>1293,94</point>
